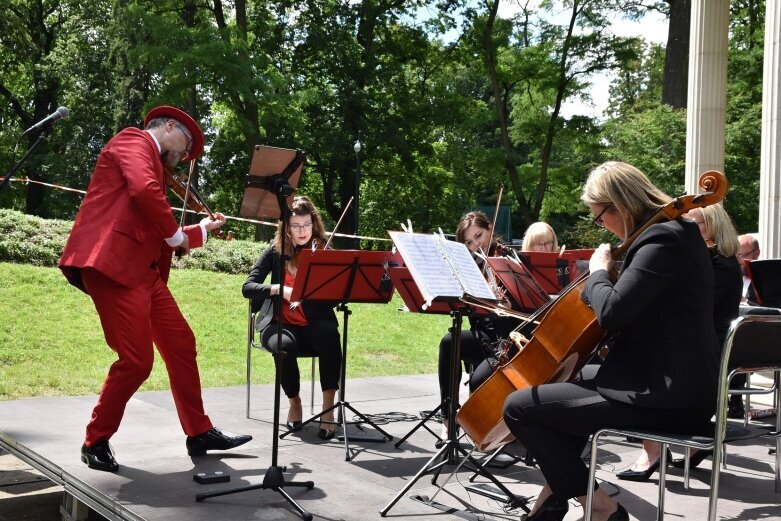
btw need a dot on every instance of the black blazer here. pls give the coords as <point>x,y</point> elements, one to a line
<point>728,285</point>
<point>254,288</point>
<point>664,352</point>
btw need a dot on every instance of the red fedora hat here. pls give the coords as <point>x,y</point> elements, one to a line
<point>164,111</point>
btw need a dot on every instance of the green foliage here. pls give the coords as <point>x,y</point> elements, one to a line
<point>27,239</point>
<point>234,257</point>
<point>69,355</point>
<point>30,239</point>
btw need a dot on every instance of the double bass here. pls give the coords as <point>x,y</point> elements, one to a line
<point>565,338</point>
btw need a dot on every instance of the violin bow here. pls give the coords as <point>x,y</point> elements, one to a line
<point>344,212</point>
<point>187,192</point>
<point>496,215</point>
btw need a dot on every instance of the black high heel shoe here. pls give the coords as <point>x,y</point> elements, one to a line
<point>294,426</point>
<point>552,509</point>
<point>325,434</point>
<point>694,460</point>
<point>643,475</point>
<point>619,515</point>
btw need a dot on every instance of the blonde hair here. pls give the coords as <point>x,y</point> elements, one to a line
<point>539,232</point>
<point>627,189</point>
<point>302,206</point>
<point>719,229</point>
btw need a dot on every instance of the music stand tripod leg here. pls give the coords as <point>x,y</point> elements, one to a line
<point>342,403</point>
<point>428,467</point>
<point>274,478</point>
<point>421,423</point>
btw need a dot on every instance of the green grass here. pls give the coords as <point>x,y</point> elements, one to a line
<point>51,342</point>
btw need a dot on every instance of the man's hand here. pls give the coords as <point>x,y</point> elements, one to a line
<point>184,248</point>
<point>219,220</point>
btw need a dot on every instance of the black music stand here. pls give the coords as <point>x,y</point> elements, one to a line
<point>344,276</point>
<point>410,294</point>
<point>450,448</point>
<point>765,277</point>
<point>274,172</point>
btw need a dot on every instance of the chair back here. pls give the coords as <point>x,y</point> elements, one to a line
<point>766,279</point>
<point>753,341</point>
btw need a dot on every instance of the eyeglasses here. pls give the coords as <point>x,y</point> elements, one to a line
<point>187,136</point>
<point>301,227</point>
<point>543,245</point>
<point>598,222</point>
<point>744,255</point>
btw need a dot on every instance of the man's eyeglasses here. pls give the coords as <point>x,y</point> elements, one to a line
<point>598,222</point>
<point>744,255</point>
<point>187,136</point>
<point>300,227</point>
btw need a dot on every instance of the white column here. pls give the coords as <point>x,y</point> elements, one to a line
<point>705,119</point>
<point>770,163</point>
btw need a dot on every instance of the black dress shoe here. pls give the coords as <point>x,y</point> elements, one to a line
<point>213,440</point>
<point>642,475</point>
<point>735,408</point>
<point>293,426</point>
<point>99,457</point>
<point>552,509</point>
<point>325,434</point>
<point>694,460</point>
<point>619,515</point>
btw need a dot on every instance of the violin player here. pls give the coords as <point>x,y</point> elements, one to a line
<point>660,314</point>
<point>119,253</point>
<point>474,231</point>
<point>309,328</point>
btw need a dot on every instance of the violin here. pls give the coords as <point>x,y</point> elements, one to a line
<point>567,334</point>
<point>178,183</point>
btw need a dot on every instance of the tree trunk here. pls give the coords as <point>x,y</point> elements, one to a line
<point>676,61</point>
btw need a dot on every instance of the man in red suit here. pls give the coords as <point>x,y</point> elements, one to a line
<point>119,252</point>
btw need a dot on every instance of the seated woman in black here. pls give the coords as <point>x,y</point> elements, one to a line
<point>310,328</point>
<point>474,230</point>
<point>660,314</point>
<point>722,240</point>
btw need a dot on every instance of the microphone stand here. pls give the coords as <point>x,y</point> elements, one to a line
<point>43,136</point>
<point>274,478</point>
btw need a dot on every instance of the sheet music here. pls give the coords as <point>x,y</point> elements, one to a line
<point>424,259</point>
<point>465,269</point>
<point>440,268</point>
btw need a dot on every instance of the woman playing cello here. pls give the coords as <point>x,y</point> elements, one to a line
<point>660,314</point>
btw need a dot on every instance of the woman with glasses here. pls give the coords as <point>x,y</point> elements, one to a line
<point>659,314</point>
<point>309,328</point>
<point>540,237</point>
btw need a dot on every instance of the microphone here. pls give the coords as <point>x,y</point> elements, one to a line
<point>60,113</point>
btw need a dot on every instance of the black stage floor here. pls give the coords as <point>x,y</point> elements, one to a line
<point>155,479</point>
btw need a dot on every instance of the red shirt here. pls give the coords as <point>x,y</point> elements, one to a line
<point>296,316</point>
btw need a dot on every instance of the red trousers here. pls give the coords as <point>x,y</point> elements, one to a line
<point>132,319</point>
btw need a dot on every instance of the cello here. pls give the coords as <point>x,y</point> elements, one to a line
<point>565,338</point>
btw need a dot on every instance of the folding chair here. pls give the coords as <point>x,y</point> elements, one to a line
<point>251,343</point>
<point>753,343</point>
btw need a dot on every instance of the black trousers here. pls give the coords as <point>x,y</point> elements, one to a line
<point>473,352</point>
<point>554,422</point>
<point>318,338</point>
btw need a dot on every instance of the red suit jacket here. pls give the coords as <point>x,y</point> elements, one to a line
<point>122,224</point>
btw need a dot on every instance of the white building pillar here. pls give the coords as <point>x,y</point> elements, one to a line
<point>770,162</point>
<point>705,119</point>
